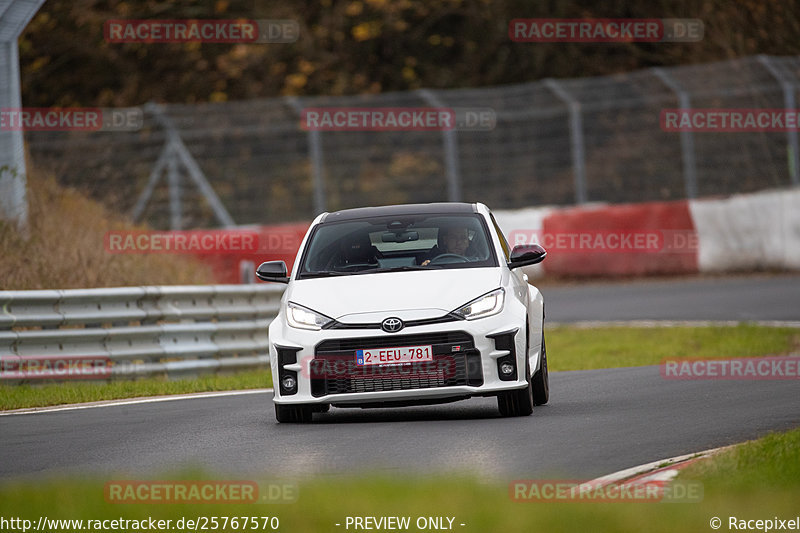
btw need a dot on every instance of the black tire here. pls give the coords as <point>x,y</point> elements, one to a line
<point>517,402</point>
<point>297,414</point>
<point>541,380</point>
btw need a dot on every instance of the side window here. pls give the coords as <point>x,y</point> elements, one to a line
<point>503,241</point>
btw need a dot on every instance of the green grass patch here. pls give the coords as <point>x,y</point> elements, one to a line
<point>771,463</point>
<point>570,348</point>
<point>756,481</point>
<point>18,397</point>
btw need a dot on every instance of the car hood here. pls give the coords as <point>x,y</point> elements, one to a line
<point>407,295</point>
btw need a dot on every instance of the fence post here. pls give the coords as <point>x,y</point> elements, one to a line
<point>14,16</point>
<point>788,104</point>
<point>577,144</point>
<point>687,139</point>
<point>174,181</point>
<point>315,155</point>
<point>152,181</point>
<point>174,152</point>
<point>450,144</point>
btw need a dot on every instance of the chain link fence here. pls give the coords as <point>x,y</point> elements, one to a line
<point>556,142</point>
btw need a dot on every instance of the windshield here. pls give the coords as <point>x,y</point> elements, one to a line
<point>391,244</point>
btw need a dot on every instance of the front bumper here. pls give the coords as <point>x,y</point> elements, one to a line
<point>467,358</point>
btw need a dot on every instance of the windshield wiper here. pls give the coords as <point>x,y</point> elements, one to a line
<point>406,268</point>
<point>324,274</point>
<point>329,273</point>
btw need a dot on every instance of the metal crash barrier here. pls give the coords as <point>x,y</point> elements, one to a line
<point>135,331</point>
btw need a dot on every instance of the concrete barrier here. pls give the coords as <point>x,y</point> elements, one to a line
<point>748,231</point>
<point>621,240</point>
<point>744,232</point>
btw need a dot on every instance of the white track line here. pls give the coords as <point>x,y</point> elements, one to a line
<point>590,324</point>
<point>131,401</point>
<point>655,465</point>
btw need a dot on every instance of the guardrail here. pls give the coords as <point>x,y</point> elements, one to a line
<point>139,331</point>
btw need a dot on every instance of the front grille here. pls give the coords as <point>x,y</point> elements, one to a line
<point>449,317</point>
<point>334,369</point>
<point>367,343</point>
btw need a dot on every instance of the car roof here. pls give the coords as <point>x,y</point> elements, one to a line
<point>439,208</point>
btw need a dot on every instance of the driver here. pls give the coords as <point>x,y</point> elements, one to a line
<point>452,240</point>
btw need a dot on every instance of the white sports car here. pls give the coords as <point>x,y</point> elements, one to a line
<point>404,305</point>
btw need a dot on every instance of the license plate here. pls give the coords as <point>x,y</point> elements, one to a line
<point>394,356</point>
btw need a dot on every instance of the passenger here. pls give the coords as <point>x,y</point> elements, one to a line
<point>354,250</point>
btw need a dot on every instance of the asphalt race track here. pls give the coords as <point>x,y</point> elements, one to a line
<point>727,298</point>
<point>597,422</point>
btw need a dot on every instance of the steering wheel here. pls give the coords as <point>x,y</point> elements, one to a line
<point>460,258</point>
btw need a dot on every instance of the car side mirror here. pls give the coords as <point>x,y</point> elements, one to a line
<point>272,271</point>
<point>526,254</point>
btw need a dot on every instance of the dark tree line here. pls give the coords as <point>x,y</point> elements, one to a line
<point>365,46</point>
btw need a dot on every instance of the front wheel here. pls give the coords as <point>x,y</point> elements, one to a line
<point>298,414</point>
<point>517,402</point>
<point>541,380</point>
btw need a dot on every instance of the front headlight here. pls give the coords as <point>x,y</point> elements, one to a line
<point>304,318</point>
<point>487,305</point>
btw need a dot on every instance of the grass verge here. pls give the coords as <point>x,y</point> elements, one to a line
<point>759,480</point>
<point>65,248</point>
<point>18,397</point>
<point>771,463</point>
<point>568,348</point>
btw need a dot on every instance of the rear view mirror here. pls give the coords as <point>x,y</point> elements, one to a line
<point>400,236</point>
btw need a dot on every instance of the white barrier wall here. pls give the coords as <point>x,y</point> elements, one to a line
<point>748,231</point>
